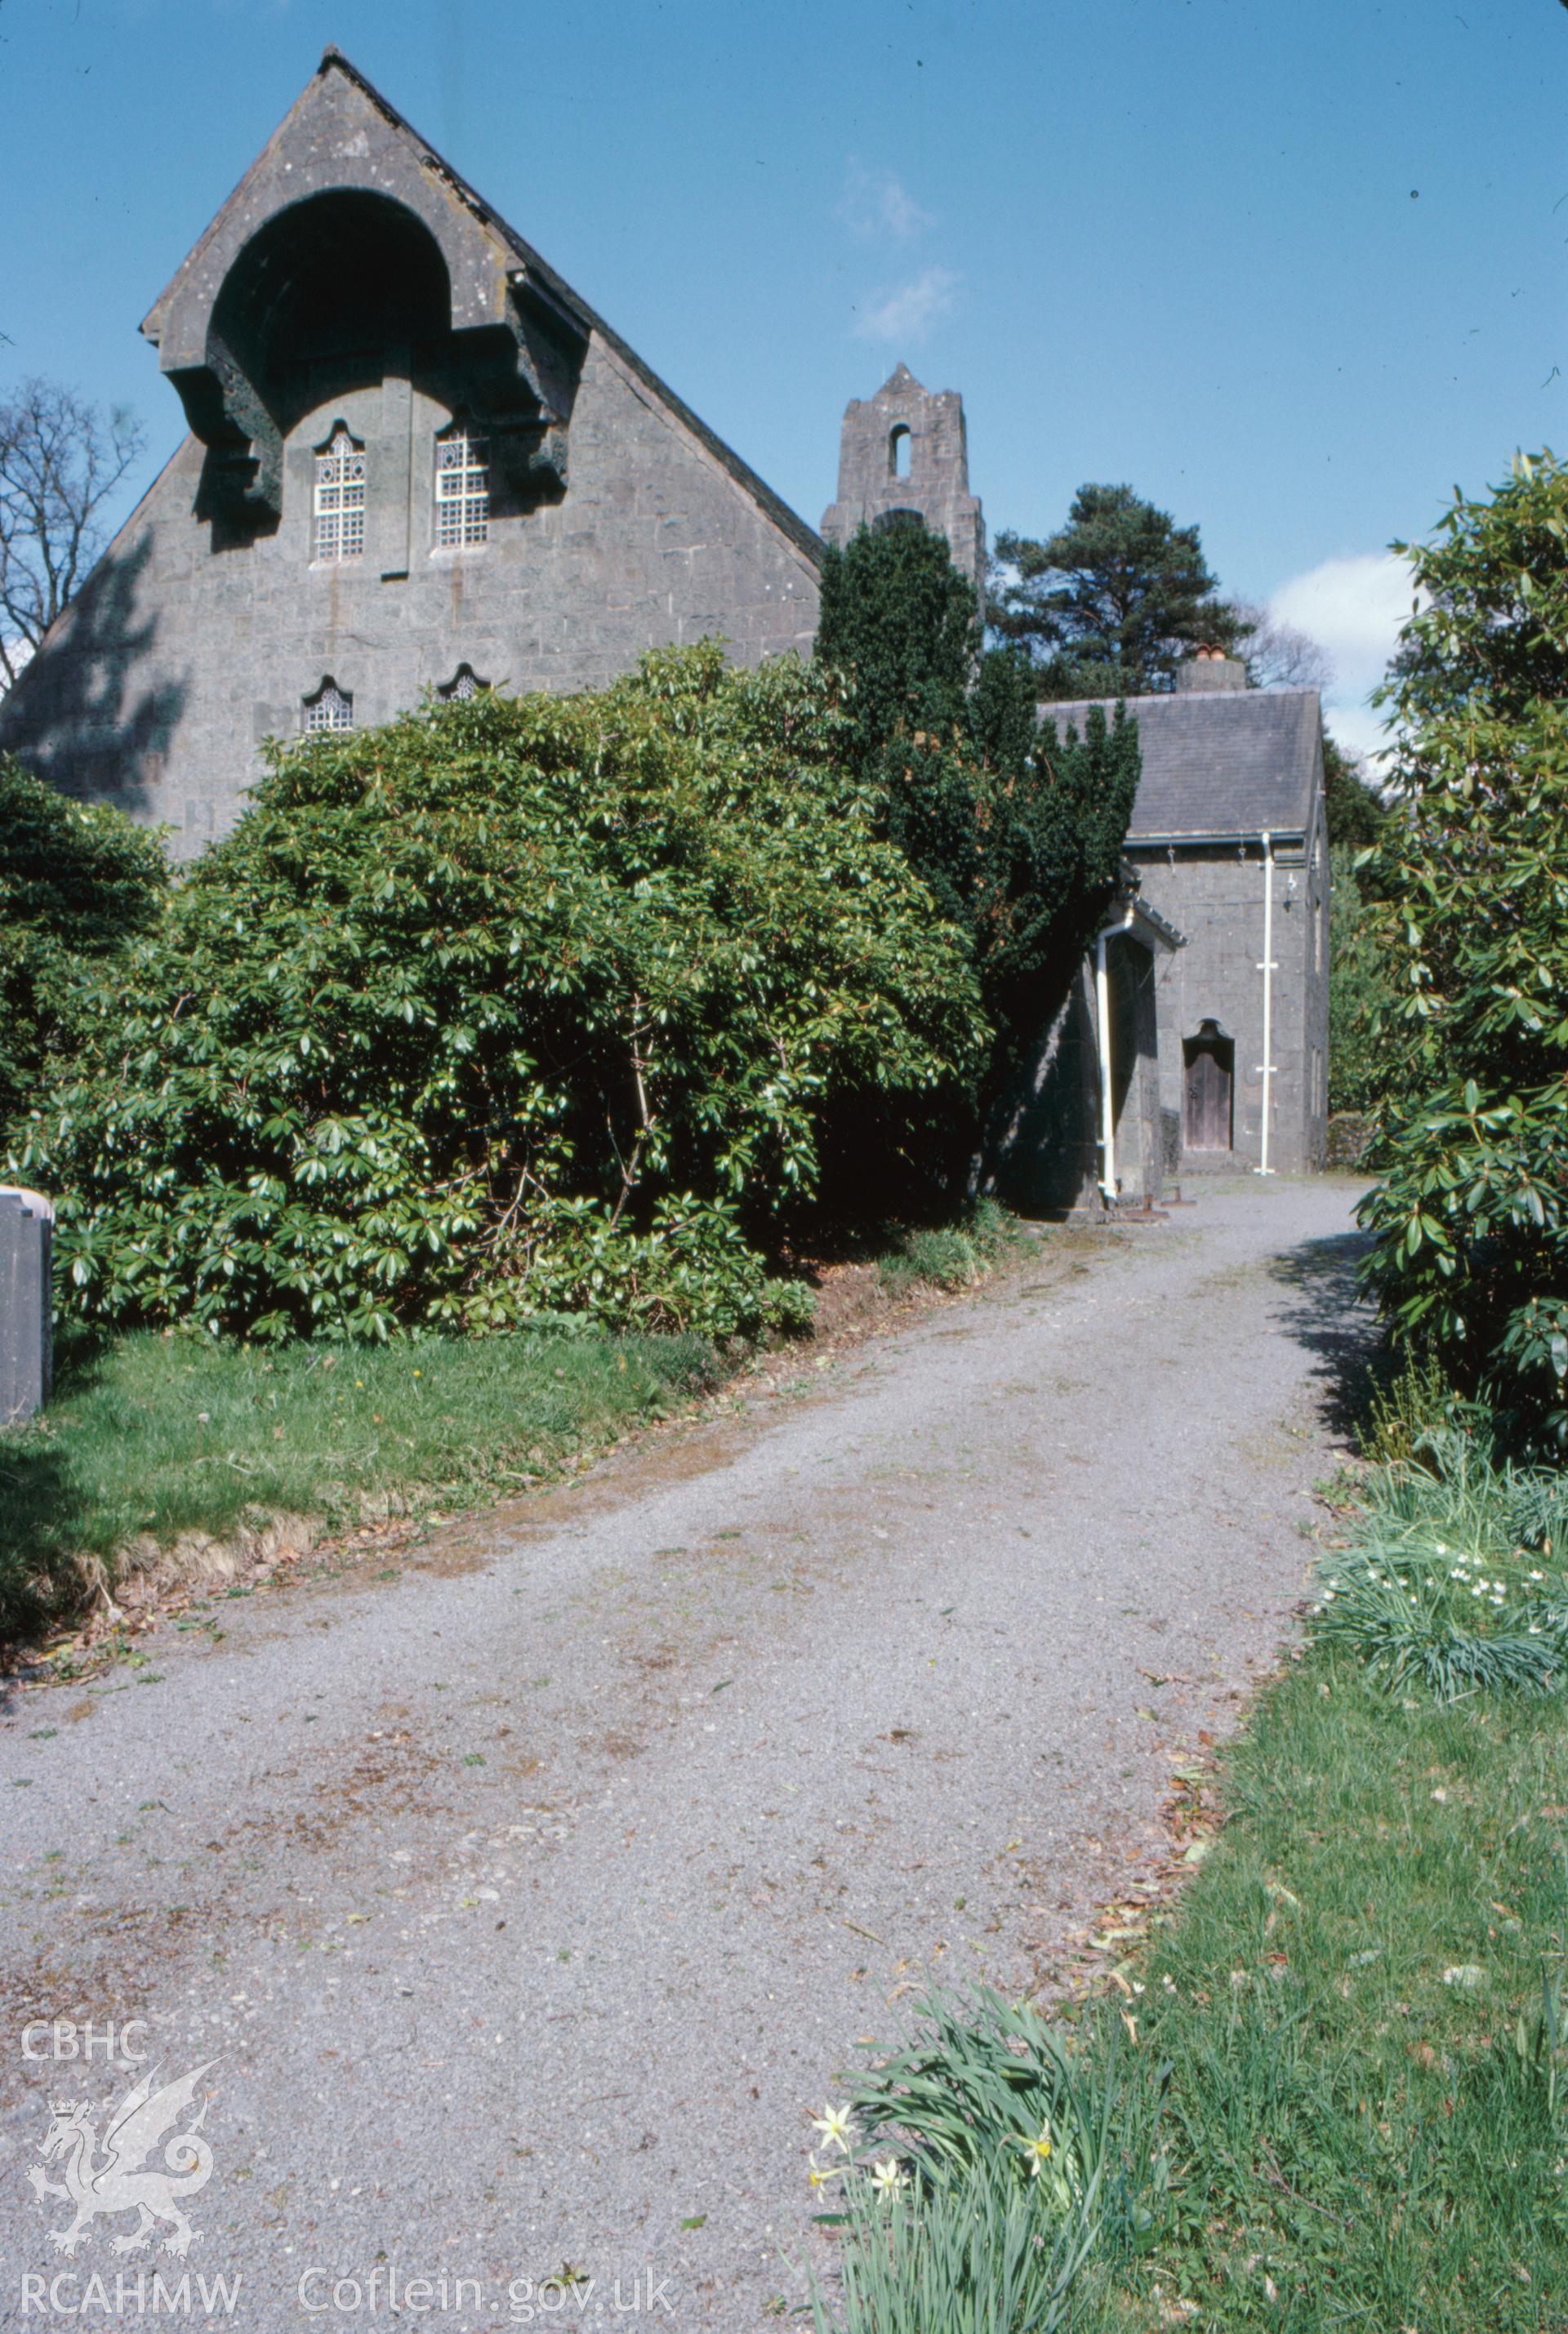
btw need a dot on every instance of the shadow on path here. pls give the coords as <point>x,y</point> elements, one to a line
<point>1325,1312</point>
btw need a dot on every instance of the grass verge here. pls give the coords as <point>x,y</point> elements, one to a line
<point>1347,2107</point>
<point>1359,2009</point>
<point>151,1437</point>
<point>951,1256</point>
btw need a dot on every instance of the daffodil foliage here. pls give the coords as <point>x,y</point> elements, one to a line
<point>513,1008</point>
<point>1471,1218</point>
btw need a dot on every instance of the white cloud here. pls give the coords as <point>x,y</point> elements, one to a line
<point>1354,608</point>
<point>907,312</point>
<point>875,204</point>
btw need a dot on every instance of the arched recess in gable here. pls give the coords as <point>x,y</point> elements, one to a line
<point>331,294</point>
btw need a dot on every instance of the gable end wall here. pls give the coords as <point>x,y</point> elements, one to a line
<point>157,688</point>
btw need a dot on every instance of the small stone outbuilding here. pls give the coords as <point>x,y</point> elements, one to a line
<point>1229,843</point>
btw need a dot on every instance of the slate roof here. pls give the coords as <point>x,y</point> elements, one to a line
<point>1229,762</point>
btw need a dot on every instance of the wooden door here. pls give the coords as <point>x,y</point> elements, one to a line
<point>1209,1091</point>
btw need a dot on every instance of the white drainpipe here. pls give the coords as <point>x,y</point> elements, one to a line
<point>1107,1100</point>
<point>1267,969</point>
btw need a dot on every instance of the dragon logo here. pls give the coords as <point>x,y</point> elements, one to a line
<point>116,2182</point>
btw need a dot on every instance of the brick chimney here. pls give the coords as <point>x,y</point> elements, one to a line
<point>1209,669</point>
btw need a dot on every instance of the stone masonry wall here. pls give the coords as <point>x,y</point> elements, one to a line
<point>1215,898</point>
<point>178,659</point>
<point>930,425</point>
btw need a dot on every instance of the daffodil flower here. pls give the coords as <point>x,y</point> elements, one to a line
<point>834,2124</point>
<point>888,2178</point>
<point>1037,2150</point>
<point>820,2174</point>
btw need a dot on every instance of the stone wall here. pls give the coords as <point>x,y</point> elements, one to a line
<point>180,656</point>
<point>1215,897</point>
<point>906,423</point>
<point>1046,1142</point>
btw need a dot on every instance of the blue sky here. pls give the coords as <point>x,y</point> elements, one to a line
<point>1292,272</point>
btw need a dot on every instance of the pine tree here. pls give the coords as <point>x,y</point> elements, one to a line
<point>1109,604</point>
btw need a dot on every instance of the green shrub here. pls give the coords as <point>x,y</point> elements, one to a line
<point>1409,1398</point>
<point>1456,1575</point>
<point>510,1009</point>
<point>1363,996</point>
<point>1355,814</point>
<point>950,1256</point>
<point>77,880</point>
<point>1471,1260</point>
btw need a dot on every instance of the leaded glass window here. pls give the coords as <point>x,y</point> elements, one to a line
<point>462,488</point>
<point>330,708</point>
<point>340,501</point>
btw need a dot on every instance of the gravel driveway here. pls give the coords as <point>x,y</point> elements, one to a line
<point>524,1905</point>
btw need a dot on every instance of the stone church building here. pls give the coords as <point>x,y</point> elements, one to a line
<point>418,461</point>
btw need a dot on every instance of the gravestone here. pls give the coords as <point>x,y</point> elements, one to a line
<point>26,1304</point>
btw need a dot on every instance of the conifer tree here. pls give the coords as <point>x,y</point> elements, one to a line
<point>1109,604</point>
<point>1017,836</point>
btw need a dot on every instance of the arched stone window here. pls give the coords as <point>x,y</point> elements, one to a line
<point>330,708</point>
<point>462,488</point>
<point>340,498</point>
<point>899,446</point>
<point>463,684</point>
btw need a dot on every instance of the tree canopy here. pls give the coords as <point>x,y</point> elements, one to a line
<point>898,616</point>
<point>1355,811</point>
<point>1471,1218</point>
<point>77,882</point>
<point>62,459</point>
<point>1109,604</point>
<point>1017,836</point>
<point>515,1007</point>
